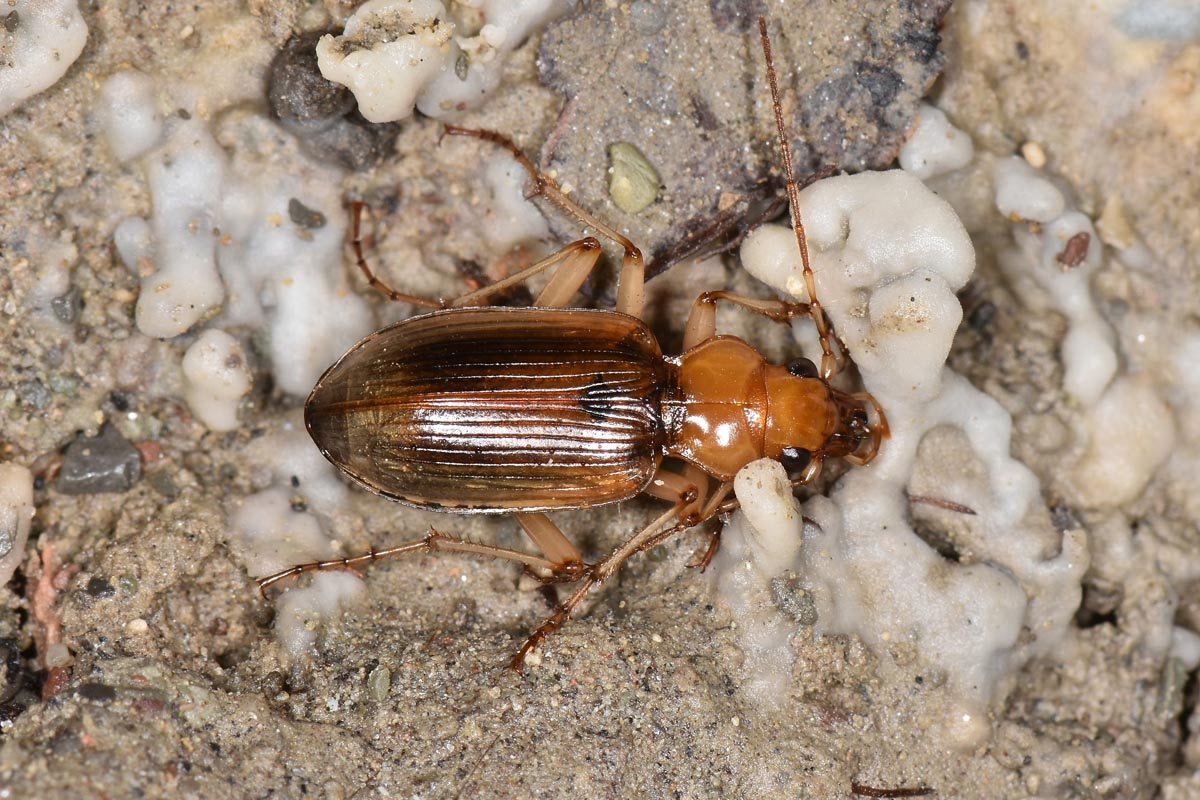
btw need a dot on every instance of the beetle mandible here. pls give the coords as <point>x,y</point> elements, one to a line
<point>476,409</point>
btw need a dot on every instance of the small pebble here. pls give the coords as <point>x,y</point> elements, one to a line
<point>304,216</point>
<point>34,396</point>
<point>633,182</point>
<point>96,691</point>
<point>319,112</point>
<point>65,383</point>
<point>100,587</point>
<point>57,655</point>
<point>379,683</point>
<point>107,463</point>
<point>67,306</point>
<point>137,626</point>
<point>647,18</point>
<point>1033,153</point>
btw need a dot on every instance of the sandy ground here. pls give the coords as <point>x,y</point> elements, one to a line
<point>175,685</point>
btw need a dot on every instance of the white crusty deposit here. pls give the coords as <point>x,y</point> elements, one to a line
<point>399,54</point>
<point>889,256</point>
<point>38,51</point>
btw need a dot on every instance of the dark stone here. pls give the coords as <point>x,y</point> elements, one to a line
<point>851,78</point>
<point>33,395</point>
<point>100,587</point>
<point>297,91</point>
<point>304,216</point>
<point>322,114</point>
<point>99,692</point>
<point>882,83</point>
<point>107,463</point>
<point>67,306</point>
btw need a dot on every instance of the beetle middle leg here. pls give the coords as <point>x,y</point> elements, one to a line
<point>567,561</point>
<point>573,262</point>
<point>631,296</point>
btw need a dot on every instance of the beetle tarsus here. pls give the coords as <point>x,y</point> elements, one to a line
<point>710,552</point>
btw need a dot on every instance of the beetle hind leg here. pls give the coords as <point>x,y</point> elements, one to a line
<point>673,521</point>
<point>432,541</point>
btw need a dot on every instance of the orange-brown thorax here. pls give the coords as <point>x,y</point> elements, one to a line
<point>730,407</point>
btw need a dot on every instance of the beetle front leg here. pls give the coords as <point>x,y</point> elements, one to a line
<point>702,321</point>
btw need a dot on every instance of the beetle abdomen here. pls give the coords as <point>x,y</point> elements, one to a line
<point>496,409</point>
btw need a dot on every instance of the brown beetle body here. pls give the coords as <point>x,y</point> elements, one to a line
<point>504,410</point>
<point>495,410</point>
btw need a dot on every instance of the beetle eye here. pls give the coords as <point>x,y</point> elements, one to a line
<point>795,459</point>
<point>802,368</point>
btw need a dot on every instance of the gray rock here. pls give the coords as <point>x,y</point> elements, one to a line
<point>106,463</point>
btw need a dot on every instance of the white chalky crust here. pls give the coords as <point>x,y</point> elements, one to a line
<point>889,256</point>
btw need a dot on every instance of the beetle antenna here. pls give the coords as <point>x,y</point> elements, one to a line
<point>829,364</point>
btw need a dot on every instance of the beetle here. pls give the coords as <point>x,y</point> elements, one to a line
<point>493,410</point>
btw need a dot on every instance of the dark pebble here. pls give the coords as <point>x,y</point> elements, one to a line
<point>107,463</point>
<point>162,482</point>
<point>96,691</point>
<point>67,306</point>
<point>14,672</point>
<point>304,216</point>
<point>297,91</point>
<point>33,394</point>
<point>100,587</point>
<point>271,684</point>
<point>12,21</point>
<point>121,401</point>
<point>322,114</point>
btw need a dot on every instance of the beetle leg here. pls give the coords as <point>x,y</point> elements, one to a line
<point>567,561</point>
<point>596,576</point>
<point>431,541</point>
<point>716,504</point>
<point>356,209</point>
<point>702,321</point>
<point>567,279</point>
<point>630,282</point>
<point>710,552</point>
<point>829,364</point>
<point>668,524</point>
<point>686,488</point>
<point>810,472</point>
<point>585,250</point>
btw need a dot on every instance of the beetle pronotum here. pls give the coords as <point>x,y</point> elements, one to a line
<point>478,409</point>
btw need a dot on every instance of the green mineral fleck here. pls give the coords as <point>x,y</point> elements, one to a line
<point>633,182</point>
